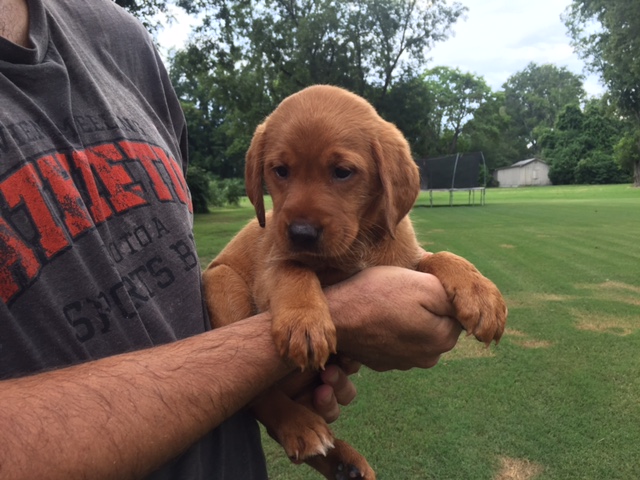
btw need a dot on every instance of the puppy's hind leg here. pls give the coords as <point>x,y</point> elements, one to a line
<point>301,432</point>
<point>306,437</point>
<point>343,462</point>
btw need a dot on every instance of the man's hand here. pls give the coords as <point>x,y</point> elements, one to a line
<point>392,318</point>
<point>325,391</point>
<point>388,318</point>
<point>336,389</point>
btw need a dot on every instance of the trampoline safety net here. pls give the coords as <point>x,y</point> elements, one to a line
<point>453,172</point>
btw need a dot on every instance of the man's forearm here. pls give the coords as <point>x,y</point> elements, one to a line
<point>124,416</point>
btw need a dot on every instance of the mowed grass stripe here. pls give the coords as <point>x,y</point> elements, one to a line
<point>559,397</point>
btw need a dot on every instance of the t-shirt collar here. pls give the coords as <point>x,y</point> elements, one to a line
<point>38,36</point>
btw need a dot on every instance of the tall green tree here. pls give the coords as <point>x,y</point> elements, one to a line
<point>409,104</point>
<point>535,96</point>
<point>357,44</point>
<point>627,153</point>
<point>249,55</point>
<point>144,9</point>
<point>457,96</point>
<point>147,10</point>
<point>606,33</point>
<point>493,132</point>
<point>581,145</point>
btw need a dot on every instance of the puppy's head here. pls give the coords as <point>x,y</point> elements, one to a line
<point>335,171</point>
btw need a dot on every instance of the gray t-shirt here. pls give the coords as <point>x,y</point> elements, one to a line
<point>97,255</point>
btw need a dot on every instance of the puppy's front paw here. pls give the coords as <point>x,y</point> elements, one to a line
<point>307,336</point>
<point>479,305</point>
<point>480,308</point>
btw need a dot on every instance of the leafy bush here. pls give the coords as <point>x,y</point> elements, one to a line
<point>626,152</point>
<point>199,182</point>
<point>599,168</point>
<point>562,171</point>
<point>485,178</point>
<point>233,190</point>
<point>208,191</point>
<point>226,191</point>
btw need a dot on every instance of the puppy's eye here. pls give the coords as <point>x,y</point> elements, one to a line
<point>342,173</point>
<point>281,171</point>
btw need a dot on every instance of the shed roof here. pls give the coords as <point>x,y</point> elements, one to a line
<point>523,163</point>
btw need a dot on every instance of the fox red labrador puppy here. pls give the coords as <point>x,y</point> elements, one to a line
<point>342,181</point>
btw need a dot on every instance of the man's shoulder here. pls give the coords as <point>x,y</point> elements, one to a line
<point>98,18</point>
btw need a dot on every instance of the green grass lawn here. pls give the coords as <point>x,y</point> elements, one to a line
<point>559,398</point>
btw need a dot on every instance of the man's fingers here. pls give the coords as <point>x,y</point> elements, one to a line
<point>348,366</point>
<point>326,404</point>
<point>435,299</point>
<point>336,390</point>
<point>343,388</point>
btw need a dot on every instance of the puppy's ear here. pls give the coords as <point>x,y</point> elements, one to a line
<point>253,173</point>
<point>398,174</point>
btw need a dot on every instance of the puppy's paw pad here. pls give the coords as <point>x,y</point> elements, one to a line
<point>349,472</point>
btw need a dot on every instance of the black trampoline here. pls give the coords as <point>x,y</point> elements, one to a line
<point>454,173</point>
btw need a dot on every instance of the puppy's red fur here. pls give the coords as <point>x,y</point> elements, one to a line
<point>345,178</point>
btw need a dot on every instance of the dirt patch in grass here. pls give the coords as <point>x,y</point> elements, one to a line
<point>531,343</point>
<point>524,340</point>
<point>612,324</point>
<point>611,291</point>
<point>469,347</point>
<point>551,297</point>
<point>534,299</point>
<point>506,245</point>
<point>518,469</point>
<point>620,286</point>
<point>614,291</point>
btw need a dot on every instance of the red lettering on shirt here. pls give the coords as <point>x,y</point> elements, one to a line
<point>55,170</point>
<point>123,192</point>
<point>177,178</point>
<point>143,153</point>
<point>98,206</point>
<point>47,203</point>
<point>17,260</point>
<point>24,187</point>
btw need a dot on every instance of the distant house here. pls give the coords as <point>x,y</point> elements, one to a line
<point>526,173</point>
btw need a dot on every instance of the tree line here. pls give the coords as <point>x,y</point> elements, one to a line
<point>245,56</point>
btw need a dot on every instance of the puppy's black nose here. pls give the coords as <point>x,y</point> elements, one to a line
<point>303,235</point>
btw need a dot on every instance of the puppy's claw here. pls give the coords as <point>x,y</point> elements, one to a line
<point>477,302</point>
<point>310,442</point>
<point>306,338</point>
<point>481,310</point>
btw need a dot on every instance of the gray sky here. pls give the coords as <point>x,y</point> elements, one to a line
<point>501,37</point>
<point>497,39</point>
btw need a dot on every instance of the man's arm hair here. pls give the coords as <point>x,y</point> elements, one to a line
<point>125,416</point>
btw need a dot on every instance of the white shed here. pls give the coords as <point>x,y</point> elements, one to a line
<point>532,172</point>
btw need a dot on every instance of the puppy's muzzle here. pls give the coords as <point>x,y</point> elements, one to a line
<point>304,236</point>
